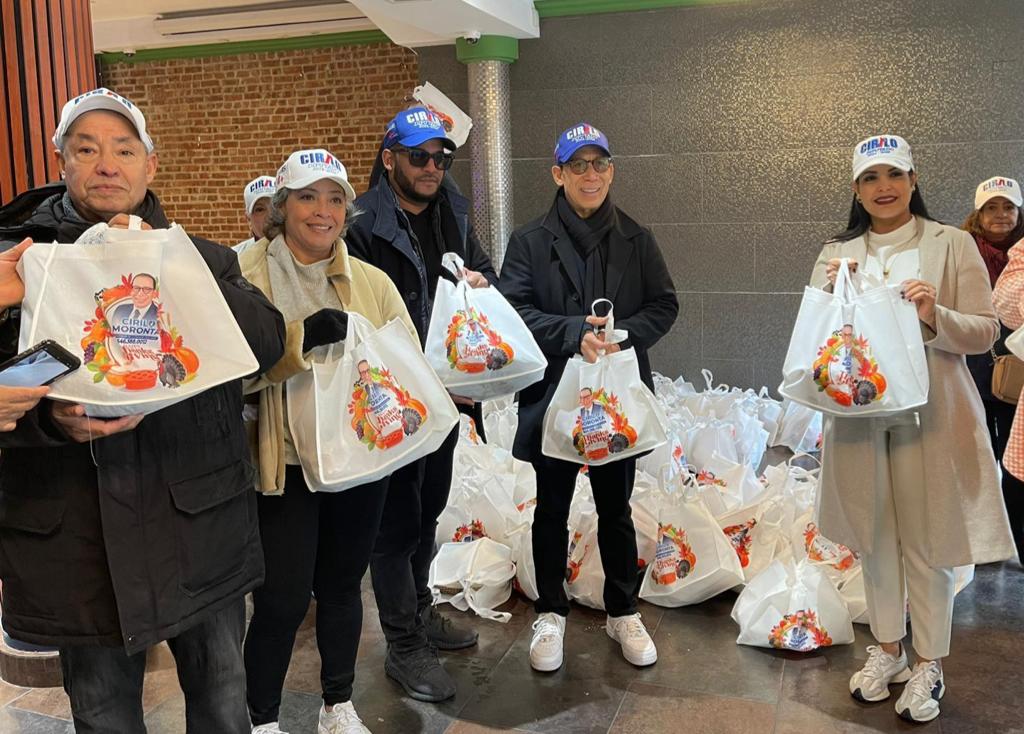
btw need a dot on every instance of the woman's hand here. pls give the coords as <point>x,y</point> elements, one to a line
<point>922,295</point>
<point>16,401</point>
<point>12,290</point>
<point>832,268</point>
<point>474,278</point>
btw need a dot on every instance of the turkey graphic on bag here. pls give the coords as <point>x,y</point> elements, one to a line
<point>383,412</point>
<point>130,342</point>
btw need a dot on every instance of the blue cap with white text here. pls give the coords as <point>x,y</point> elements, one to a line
<point>416,126</point>
<point>576,137</point>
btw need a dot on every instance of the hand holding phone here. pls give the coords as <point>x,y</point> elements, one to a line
<point>16,401</point>
<point>42,364</point>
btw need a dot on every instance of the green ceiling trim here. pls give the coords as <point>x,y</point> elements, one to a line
<point>325,40</point>
<point>558,8</point>
<point>487,48</point>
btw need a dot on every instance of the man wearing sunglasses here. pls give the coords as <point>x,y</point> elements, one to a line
<point>413,215</point>
<point>555,267</point>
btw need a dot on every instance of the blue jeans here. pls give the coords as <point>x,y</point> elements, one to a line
<point>105,685</point>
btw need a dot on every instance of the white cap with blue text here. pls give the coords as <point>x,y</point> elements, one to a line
<point>101,99</point>
<point>305,167</point>
<point>882,149</point>
<point>258,188</point>
<point>1008,188</point>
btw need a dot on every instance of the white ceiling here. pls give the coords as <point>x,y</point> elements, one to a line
<point>141,24</point>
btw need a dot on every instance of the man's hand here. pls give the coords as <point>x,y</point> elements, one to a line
<point>12,290</point>
<point>71,419</point>
<point>121,221</point>
<point>475,279</point>
<point>16,401</point>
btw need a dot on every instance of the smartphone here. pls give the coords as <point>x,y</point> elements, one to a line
<point>42,364</point>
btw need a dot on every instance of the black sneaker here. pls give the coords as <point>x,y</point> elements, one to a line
<point>444,634</point>
<point>420,673</point>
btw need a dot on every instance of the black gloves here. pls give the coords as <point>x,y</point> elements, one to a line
<point>326,326</point>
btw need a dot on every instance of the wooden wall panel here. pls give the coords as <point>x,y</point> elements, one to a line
<point>47,58</point>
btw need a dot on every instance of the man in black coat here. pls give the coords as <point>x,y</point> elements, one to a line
<point>117,534</point>
<point>411,218</point>
<point>555,267</point>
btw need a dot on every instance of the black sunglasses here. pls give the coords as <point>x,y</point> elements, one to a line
<point>419,157</point>
<point>579,165</point>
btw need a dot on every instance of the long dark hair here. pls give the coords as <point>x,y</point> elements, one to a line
<point>860,220</point>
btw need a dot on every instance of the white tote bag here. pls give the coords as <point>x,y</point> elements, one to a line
<point>477,343</point>
<point>142,310</point>
<point>792,607</point>
<point>378,407</point>
<point>475,576</point>
<point>856,354</point>
<point>694,560</point>
<point>602,412</point>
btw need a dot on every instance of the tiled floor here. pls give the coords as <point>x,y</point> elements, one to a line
<point>703,681</point>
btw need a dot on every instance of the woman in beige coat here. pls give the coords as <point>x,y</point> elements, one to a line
<point>313,542</point>
<point>917,493</point>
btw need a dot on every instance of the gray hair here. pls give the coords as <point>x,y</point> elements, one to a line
<point>275,219</point>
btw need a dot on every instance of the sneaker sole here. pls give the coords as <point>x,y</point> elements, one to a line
<point>412,692</point>
<point>545,666</point>
<point>905,713</point>
<point>900,678</point>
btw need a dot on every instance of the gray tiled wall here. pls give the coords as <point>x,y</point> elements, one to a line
<point>731,127</point>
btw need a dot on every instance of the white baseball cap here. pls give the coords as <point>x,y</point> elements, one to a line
<point>997,186</point>
<point>258,188</point>
<point>101,99</point>
<point>891,149</point>
<point>305,167</point>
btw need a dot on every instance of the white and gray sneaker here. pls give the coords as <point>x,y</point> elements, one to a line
<point>268,728</point>
<point>920,699</point>
<point>341,718</point>
<point>546,646</point>
<point>871,683</point>
<point>637,645</point>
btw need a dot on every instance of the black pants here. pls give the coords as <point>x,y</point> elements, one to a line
<point>313,542</point>
<point>405,546</point>
<point>105,684</point>
<point>613,486</point>
<point>999,416</point>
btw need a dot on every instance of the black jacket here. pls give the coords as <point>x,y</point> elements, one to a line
<point>381,236</point>
<point>541,279</point>
<point>135,538</point>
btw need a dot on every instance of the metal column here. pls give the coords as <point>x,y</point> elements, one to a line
<point>487,61</point>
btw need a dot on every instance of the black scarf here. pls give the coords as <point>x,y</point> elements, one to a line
<point>590,240</point>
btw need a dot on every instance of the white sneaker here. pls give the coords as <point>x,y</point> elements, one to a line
<point>341,719</point>
<point>871,683</point>
<point>920,699</point>
<point>546,646</point>
<point>270,728</point>
<point>637,646</point>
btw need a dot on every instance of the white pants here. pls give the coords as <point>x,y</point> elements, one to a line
<point>898,568</point>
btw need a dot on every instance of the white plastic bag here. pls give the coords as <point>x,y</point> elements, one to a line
<point>856,354</point>
<point>475,576</point>
<point>378,407</point>
<point>792,607</point>
<point>477,343</point>
<point>801,429</point>
<point>142,310</point>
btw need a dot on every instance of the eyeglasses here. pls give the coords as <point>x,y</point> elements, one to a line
<point>142,290</point>
<point>579,165</point>
<point>419,157</point>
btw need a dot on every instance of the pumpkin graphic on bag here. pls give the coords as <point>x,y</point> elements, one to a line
<point>383,412</point>
<point>130,343</point>
<point>800,632</point>
<point>472,345</point>
<point>846,371</point>
<point>601,427</point>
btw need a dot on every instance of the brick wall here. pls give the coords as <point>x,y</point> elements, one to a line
<point>219,122</point>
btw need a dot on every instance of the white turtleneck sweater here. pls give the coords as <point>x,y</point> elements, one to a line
<point>894,251</point>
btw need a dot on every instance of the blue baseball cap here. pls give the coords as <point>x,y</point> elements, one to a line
<point>416,126</point>
<point>577,136</point>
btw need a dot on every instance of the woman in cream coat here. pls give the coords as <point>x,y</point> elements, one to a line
<point>315,542</point>
<point>917,493</point>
